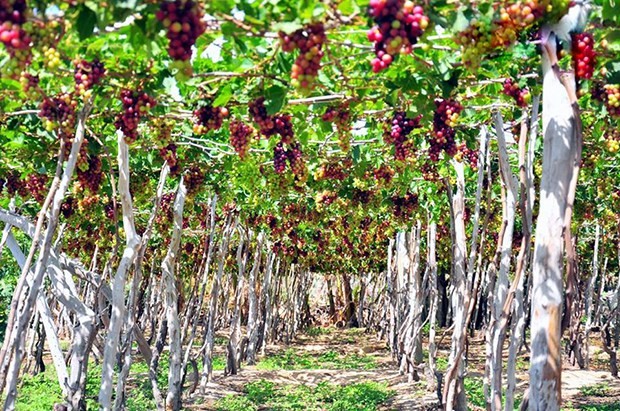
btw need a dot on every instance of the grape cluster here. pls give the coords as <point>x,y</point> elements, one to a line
<point>194,177</point>
<point>471,156</point>
<point>485,36</point>
<point>280,124</point>
<point>295,159</point>
<point>240,137</point>
<point>135,104</point>
<point>445,117</point>
<point>209,118</point>
<point>333,170</point>
<point>309,41</point>
<point>169,155</point>
<point>161,131</point>
<point>12,17</point>
<point>399,24</point>
<point>341,116</point>
<point>86,203</point>
<point>36,185</point>
<point>279,158</point>
<point>183,20</point>
<point>429,171</point>
<point>325,198</point>
<point>522,96</point>
<point>30,84</point>
<point>14,184</point>
<point>165,208</point>
<point>583,54</point>
<point>87,74</point>
<point>59,111</point>
<point>399,129</point>
<point>384,173</point>
<point>612,141</point>
<point>405,205</point>
<point>608,94</point>
<point>90,175</point>
<point>52,58</point>
<point>67,208</point>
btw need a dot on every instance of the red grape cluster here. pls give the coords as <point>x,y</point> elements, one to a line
<point>471,156</point>
<point>67,208</point>
<point>271,125</point>
<point>429,171</point>
<point>36,185</point>
<point>183,20</point>
<point>522,96</point>
<point>91,175</point>
<point>240,137</point>
<point>279,158</point>
<point>135,104</point>
<point>169,154</point>
<point>384,173</point>
<point>108,210</point>
<point>444,119</point>
<point>341,116</point>
<point>30,84</point>
<point>59,111</point>
<point>399,24</point>
<point>405,205</point>
<point>14,184</point>
<point>333,170</point>
<point>583,54</point>
<point>194,177</point>
<point>165,208</point>
<point>209,118</point>
<point>87,74</point>
<point>608,94</point>
<point>399,129</point>
<point>309,41</point>
<point>295,159</point>
<point>88,202</point>
<point>12,16</point>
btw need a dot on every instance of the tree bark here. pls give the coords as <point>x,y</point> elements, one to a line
<point>454,391</point>
<point>173,398</point>
<point>132,242</point>
<point>547,288</point>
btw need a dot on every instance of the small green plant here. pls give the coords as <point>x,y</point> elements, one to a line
<point>474,388</point>
<point>39,393</point>
<point>365,396</point>
<point>317,331</point>
<point>596,390</point>
<point>235,403</point>
<point>291,360</point>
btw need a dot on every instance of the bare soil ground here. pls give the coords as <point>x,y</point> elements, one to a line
<point>588,389</point>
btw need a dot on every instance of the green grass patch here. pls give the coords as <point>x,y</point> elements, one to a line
<point>596,390</point>
<point>317,331</point>
<point>39,393</point>
<point>265,395</point>
<point>291,360</point>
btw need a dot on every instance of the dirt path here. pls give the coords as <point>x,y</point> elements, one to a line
<point>594,389</point>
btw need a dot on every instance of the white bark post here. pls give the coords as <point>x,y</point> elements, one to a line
<point>132,242</point>
<point>51,332</point>
<point>22,319</point>
<point>501,292</point>
<point>235,325</point>
<point>589,292</point>
<point>173,398</point>
<point>526,172</point>
<point>252,332</point>
<point>207,349</point>
<point>547,288</point>
<point>454,397</point>
<point>434,301</point>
